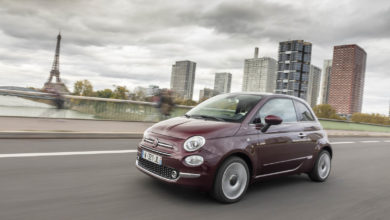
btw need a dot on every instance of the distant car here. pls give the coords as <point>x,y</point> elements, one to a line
<point>231,140</point>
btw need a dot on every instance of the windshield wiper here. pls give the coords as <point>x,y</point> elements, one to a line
<point>207,117</point>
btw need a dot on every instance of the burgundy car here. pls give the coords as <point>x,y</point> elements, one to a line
<point>231,140</point>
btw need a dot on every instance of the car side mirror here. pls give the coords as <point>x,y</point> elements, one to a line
<point>271,120</point>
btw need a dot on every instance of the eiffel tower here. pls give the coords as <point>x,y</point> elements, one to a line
<point>58,85</point>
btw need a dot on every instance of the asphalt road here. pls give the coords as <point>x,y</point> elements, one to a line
<point>108,186</point>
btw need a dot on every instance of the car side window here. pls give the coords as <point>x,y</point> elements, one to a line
<point>303,112</point>
<point>282,107</point>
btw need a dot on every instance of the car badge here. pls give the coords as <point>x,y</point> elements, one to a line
<point>155,142</point>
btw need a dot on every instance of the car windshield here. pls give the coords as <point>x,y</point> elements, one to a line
<point>226,107</point>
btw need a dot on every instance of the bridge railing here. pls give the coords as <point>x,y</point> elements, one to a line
<point>100,108</point>
<point>116,109</point>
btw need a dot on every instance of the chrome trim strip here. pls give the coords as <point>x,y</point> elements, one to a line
<point>165,145</point>
<point>155,151</point>
<point>280,172</point>
<point>181,175</point>
<point>285,161</point>
<point>155,175</point>
<point>189,175</point>
<point>149,140</point>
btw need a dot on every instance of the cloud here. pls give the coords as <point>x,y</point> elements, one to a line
<point>135,42</point>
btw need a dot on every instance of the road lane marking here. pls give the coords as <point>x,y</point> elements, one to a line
<point>343,142</point>
<point>48,154</point>
<point>387,141</point>
<point>369,141</point>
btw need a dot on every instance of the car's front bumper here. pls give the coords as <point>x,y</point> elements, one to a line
<point>180,175</point>
<point>198,177</point>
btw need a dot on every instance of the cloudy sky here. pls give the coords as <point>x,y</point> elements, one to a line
<point>135,42</point>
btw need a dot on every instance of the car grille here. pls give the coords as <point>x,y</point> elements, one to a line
<point>159,143</point>
<point>162,170</point>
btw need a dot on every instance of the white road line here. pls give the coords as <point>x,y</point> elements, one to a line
<point>48,154</point>
<point>344,142</point>
<point>369,141</point>
<point>387,141</point>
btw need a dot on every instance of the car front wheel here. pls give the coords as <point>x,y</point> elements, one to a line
<point>322,166</point>
<point>231,180</point>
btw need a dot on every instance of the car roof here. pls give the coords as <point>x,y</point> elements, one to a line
<point>270,95</point>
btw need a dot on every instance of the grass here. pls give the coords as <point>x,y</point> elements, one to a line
<point>334,125</point>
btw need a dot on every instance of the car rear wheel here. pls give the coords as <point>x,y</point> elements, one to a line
<point>231,181</point>
<point>322,167</point>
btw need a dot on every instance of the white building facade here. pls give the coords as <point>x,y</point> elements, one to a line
<point>313,88</point>
<point>259,74</point>
<point>222,82</point>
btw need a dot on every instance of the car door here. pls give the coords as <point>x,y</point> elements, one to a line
<point>311,130</point>
<point>277,151</point>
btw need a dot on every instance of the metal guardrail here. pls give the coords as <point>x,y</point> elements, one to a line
<point>103,108</point>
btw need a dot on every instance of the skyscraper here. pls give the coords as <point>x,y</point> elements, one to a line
<point>183,78</point>
<point>207,93</point>
<point>259,74</point>
<point>222,82</point>
<point>293,68</point>
<point>313,88</point>
<point>327,69</point>
<point>347,79</point>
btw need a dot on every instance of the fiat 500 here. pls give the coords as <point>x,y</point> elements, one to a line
<point>231,140</point>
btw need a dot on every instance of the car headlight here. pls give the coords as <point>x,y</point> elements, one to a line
<point>194,160</point>
<point>194,143</point>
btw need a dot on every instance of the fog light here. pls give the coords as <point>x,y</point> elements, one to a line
<point>174,174</point>
<point>194,160</point>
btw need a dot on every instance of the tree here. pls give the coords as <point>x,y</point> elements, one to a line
<point>326,111</point>
<point>373,118</point>
<point>83,88</point>
<point>106,93</point>
<point>120,92</point>
<point>139,94</point>
<point>189,102</point>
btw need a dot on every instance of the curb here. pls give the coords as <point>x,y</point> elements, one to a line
<point>69,135</point>
<point>342,133</point>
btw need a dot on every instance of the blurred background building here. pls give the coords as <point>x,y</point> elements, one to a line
<point>183,78</point>
<point>207,93</point>
<point>313,88</point>
<point>293,68</point>
<point>347,79</point>
<point>222,82</point>
<point>259,74</point>
<point>327,70</point>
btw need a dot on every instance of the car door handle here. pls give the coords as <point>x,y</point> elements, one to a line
<point>301,135</point>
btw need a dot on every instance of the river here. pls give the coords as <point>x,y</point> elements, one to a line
<point>16,106</point>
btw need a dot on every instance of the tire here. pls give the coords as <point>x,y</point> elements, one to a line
<point>231,181</point>
<point>322,167</point>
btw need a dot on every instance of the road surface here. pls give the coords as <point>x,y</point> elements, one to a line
<point>97,179</point>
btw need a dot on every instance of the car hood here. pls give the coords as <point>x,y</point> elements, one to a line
<point>183,128</point>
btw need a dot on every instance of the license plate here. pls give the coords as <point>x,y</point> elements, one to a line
<point>151,157</point>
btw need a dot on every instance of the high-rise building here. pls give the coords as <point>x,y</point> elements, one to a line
<point>313,88</point>
<point>327,70</point>
<point>259,74</point>
<point>347,79</point>
<point>207,93</point>
<point>293,68</point>
<point>222,82</point>
<point>183,78</point>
